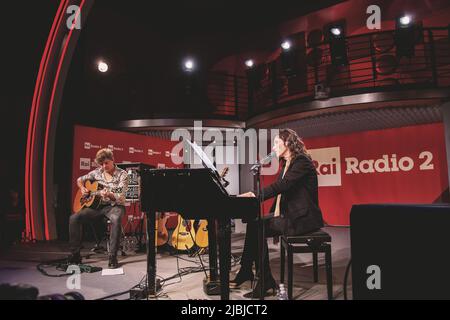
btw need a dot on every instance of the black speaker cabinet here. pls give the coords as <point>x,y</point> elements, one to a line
<point>400,251</point>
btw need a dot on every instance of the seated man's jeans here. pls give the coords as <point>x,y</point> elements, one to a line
<point>113,213</point>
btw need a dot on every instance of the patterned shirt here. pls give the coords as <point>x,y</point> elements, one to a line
<point>118,184</point>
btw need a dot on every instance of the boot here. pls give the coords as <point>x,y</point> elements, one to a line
<point>113,263</point>
<point>74,258</point>
<point>270,289</point>
<point>242,277</point>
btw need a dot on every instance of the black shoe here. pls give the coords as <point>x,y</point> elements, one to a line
<point>74,258</point>
<point>113,264</point>
<point>241,277</point>
<point>271,290</point>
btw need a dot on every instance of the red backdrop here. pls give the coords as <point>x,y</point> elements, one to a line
<point>402,165</point>
<point>412,168</point>
<point>127,147</point>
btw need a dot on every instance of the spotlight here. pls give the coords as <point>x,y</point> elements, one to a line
<point>338,45</point>
<point>336,31</point>
<point>286,45</point>
<point>190,77</point>
<point>189,65</point>
<point>290,62</point>
<point>405,20</point>
<point>102,66</point>
<point>405,36</point>
<point>255,74</point>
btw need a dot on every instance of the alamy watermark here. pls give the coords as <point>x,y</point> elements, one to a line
<point>73,281</point>
<point>74,19</point>
<point>374,280</point>
<point>235,146</point>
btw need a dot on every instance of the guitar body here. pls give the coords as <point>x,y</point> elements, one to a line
<point>92,200</point>
<point>201,237</point>
<point>162,235</point>
<point>183,236</point>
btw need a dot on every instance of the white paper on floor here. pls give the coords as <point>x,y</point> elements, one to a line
<point>112,272</point>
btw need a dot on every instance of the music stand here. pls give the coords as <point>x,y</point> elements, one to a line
<point>204,158</point>
<point>213,285</point>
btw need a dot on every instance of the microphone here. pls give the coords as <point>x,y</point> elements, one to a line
<point>268,157</point>
<point>263,161</point>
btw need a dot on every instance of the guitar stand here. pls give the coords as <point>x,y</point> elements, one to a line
<point>192,253</point>
<point>198,252</point>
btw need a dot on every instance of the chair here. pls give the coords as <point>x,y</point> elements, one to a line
<point>314,242</point>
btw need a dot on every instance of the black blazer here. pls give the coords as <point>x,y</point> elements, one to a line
<point>299,204</point>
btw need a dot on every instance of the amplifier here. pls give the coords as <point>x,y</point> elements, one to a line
<point>134,169</point>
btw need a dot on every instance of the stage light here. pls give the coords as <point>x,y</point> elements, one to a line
<point>249,63</point>
<point>286,45</point>
<point>289,62</point>
<point>102,66</point>
<point>188,65</point>
<point>405,36</point>
<point>255,74</point>
<point>338,45</point>
<point>289,58</point>
<point>190,77</point>
<point>336,31</point>
<point>405,20</point>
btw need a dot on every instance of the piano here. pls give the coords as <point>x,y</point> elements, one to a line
<point>195,194</point>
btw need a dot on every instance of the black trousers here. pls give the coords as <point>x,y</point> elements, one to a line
<point>273,227</point>
<point>113,213</point>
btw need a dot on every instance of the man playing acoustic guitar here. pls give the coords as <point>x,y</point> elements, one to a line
<point>112,185</point>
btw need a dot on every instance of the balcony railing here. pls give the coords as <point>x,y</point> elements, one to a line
<point>373,65</point>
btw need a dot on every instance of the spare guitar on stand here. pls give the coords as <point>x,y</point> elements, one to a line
<point>183,237</point>
<point>201,236</point>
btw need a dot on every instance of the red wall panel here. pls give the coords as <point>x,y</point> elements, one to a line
<point>416,170</point>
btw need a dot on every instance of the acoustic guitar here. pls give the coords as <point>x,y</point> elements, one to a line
<point>201,236</point>
<point>183,237</point>
<point>90,200</point>
<point>162,235</point>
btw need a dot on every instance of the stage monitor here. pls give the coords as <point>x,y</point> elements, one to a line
<point>400,251</point>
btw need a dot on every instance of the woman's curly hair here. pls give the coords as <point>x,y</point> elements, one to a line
<point>293,142</point>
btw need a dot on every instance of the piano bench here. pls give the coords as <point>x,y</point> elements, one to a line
<point>314,242</point>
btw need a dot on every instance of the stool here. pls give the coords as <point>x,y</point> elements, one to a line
<point>314,242</point>
<point>106,223</point>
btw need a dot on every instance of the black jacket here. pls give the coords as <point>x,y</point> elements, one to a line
<point>299,204</point>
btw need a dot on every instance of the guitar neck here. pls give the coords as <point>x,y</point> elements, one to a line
<point>97,192</point>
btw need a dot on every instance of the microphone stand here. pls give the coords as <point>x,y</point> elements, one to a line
<point>256,171</point>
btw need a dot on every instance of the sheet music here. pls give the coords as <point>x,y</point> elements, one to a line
<point>202,155</point>
<point>112,272</point>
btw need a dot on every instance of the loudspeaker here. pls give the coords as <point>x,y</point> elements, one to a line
<point>400,251</point>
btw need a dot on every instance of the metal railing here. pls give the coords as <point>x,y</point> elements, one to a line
<point>372,65</point>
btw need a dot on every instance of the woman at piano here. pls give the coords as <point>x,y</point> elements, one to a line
<point>295,210</point>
